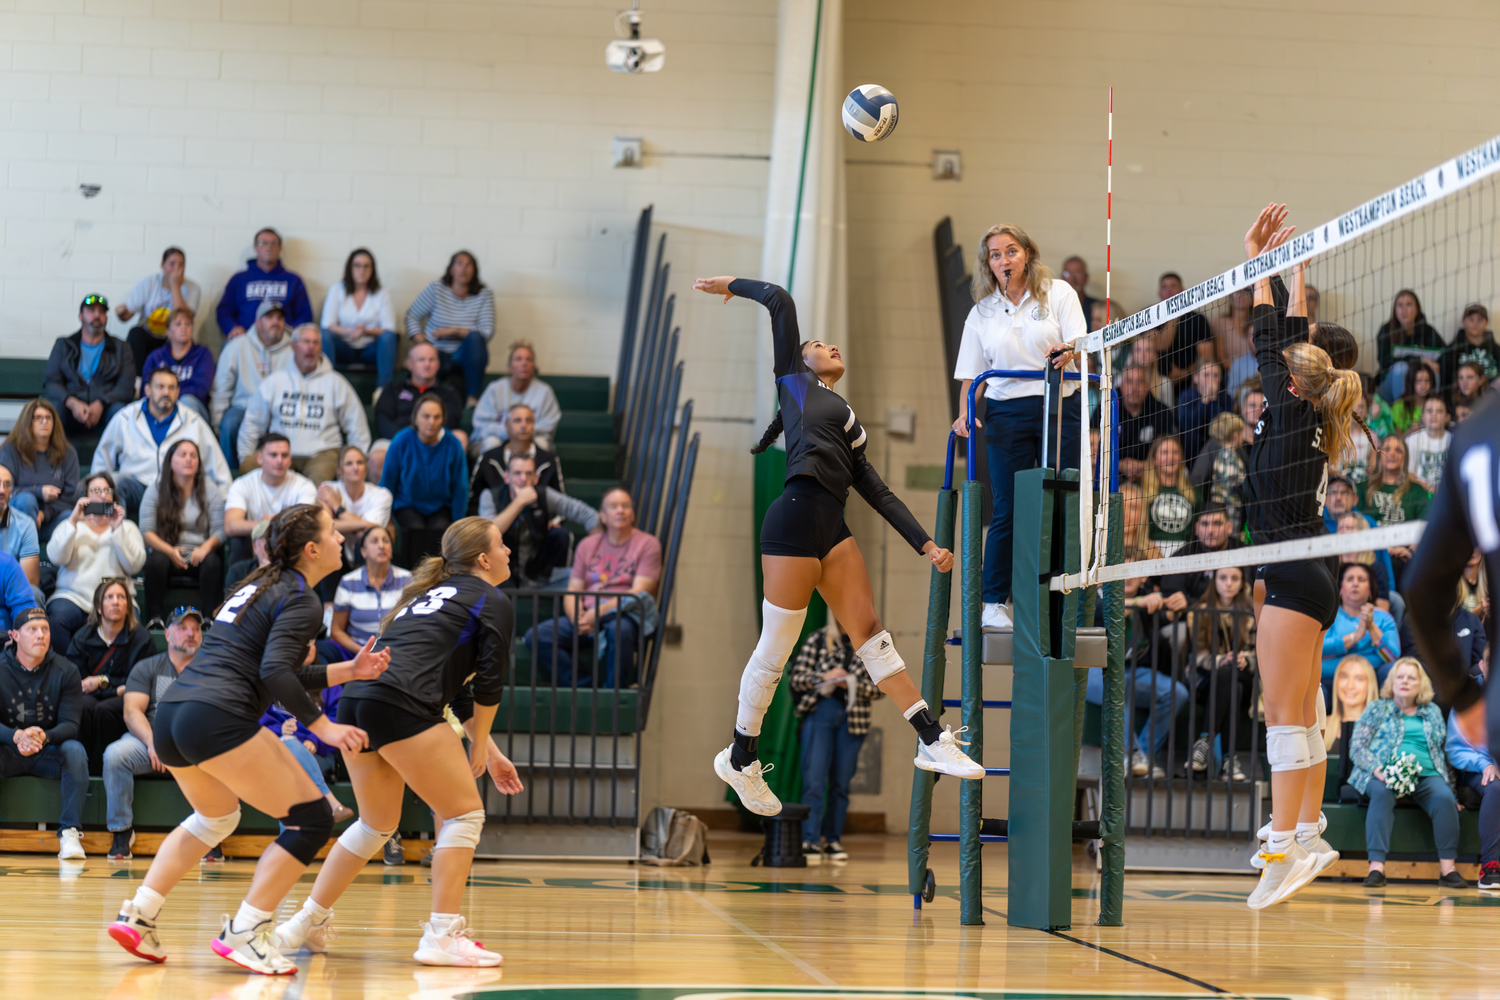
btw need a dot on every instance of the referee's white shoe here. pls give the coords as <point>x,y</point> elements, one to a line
<point>748,784</point>
<point>995,616</point>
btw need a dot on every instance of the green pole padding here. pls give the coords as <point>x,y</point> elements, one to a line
<point>1112,806</point>
<point>971,794</point>
<point>934,664</point>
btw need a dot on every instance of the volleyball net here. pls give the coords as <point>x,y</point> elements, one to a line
<point>1410,274</point>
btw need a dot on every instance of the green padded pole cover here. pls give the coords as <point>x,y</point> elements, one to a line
<point>1112,807</point>
<point>971,793</point>
<point>934,664</point>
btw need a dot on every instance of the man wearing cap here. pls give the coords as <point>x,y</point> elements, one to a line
<point>41,700</point>
<point>1340,499</point>
<point>1474,343</point>
<point>263,279</point>
<point>243,364</point>
<point>90,375</point>
<point>135,753</point>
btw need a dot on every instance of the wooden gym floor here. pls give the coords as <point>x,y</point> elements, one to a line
<point>572,931</point>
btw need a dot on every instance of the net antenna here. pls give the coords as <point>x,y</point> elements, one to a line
<point>1435,235</point>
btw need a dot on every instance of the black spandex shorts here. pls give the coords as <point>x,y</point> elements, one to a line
<point>1305,586</point>
<point>382,722</point>
<point>187,733</point>
<point>806,520</point>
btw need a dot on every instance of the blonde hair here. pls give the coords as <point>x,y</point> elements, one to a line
<point>1151,485</point>
<point>1226,427</point>
<point>1038,275</point>
<point>1366,557</point>
<point>1425,693</point>
<point>463,543</point>
<point>1334,391</point>
<point>1377,477</point>
<point>1335,722</point>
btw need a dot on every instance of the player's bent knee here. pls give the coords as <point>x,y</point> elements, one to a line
<point>461,831</point>
<point>1286,748</point>
<point>212,829</point>
<point>364,841</point>
<point>1317,753</point>
<point>308,827</point>
<point>880,657</point>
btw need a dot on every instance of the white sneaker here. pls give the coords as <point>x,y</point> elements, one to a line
<point>253,949</point>
<point>748,784</point>
<point>995,616</point>
<point>1139,765</point>
<point>72,845</point>
<point>304,931</point>
<point>945,757</point>
<point>453,947</point>
<point>1323,854</point>
<point>136,934</point>
<point>1283,874</point>
<point>1264,834</point>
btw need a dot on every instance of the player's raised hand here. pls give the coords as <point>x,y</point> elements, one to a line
<point>715,286</point>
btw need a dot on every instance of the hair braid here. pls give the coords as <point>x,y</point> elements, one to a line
<point>289,532</point>
<point>773,431</point>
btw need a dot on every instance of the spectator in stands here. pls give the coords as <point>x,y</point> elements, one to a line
<point>155,298</point>
<point>135,752</point>
<point>260,495</point>
<point>427,473</point>
<point>1075,271</point>
<point>1252,402</point>
<point>833,692</point>
<point>40,698</point>
<point>44,465</point>
<point>1102,312</point>
<point>359,322</point>
<point>1405,720</point>
<point>1468,634</point>
<point>135,443</point>
<point>1142,420</point>
<point>111,642</point>
<point>1211,533</point>
<point>1223,626</point>
<point>1393,497</point>
<point>264,279</point>
<point>1360,627</point>
<point>1355,688</point>
<point>1428,444</point>
<point>86,547</point>
<point>1354,463</point>
<point>1198,404</point>
<point>18,538</point>
<point>16,593</point>
<point>1378,563</point>
<point>182,525</point>
<point>313,405</point>
<point>1406,341</point>
<point>621,560</point>
<point>456,314</point>
<point>365,596</point>
<point>523,386</point>
<point>1469,384</point>
<point>1219,472</point>
<point>1377,412</point>
<point>1474,768</point>
<point>244,363</point>
<point>490,471</point>
<point>90,375</point>
<point>393,408</point>
<point>356,505</point>
<point>524,512</point>
<point>1474,587</point>
<point>1236,347</point>
<point>192,363</point>
<point>315,756</point>
<point>1473,343</point>
<point>1184,341</point>
<point>1406,412</point>
<point>1168,495</point>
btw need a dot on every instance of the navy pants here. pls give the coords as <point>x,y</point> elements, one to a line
<point>1489,814</point>
<point>380,352</point>
<point>1436,799</point>
<point>67,762</point>
<point>556,636</point>
<point>1013,443</point>
<point>472,357</point>
<point>830,755</point>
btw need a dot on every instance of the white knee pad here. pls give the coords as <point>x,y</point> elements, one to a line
<point>1321,711</point>
<point>461,831</point>
<point>212,829</point>
<point>880,657</point>
<point>362,840</point>
<point>1317,753</point>
<point>1286,748</point>
<point>779,632</point>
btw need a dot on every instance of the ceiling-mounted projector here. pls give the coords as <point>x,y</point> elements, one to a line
<point>630,53</point>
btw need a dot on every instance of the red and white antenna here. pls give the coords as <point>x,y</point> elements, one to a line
<point>1109,199</point>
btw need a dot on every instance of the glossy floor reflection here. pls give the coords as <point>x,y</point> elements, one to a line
<point>843,929</point>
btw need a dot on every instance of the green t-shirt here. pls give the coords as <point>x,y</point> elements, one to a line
<point>1413,506</point>
<point>1405,416</point>
<point>1414,742</point>
<point>1170,513</point>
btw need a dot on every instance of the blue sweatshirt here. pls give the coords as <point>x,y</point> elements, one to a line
<point>15,591</point>
<point>243,295</point>
<point>427,477</point>
<point>1463,755</point>
<point>195,372</point>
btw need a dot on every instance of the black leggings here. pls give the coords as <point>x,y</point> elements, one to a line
<point>1216,689</point>
<point>159,571</point>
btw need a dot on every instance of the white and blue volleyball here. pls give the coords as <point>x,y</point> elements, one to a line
<point>870,112</point>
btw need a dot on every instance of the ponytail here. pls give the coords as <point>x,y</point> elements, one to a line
<point>1335,391</point>
<point>463,543</point>
<point>288,534</point>
<point>773,431</point>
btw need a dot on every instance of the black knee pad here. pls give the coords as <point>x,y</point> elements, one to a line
<point>314,825</point>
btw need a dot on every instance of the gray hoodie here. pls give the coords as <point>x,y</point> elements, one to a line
<point>316,411</point>
<point>243,364</point>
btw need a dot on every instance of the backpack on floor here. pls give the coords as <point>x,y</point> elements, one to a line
<point>673,837</point>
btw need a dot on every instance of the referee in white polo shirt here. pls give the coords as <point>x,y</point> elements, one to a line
<point>1022,320</point>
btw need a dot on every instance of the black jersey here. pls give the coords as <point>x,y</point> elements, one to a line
<point>1288,469</point>
<point>824,438</point>
<point>456,633</point>
<point>252,655</point>
<point>1464,515</point>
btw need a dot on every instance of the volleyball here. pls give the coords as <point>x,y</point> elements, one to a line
<point>870,112</point>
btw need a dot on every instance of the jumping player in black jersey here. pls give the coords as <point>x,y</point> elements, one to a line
<point>1308,418</point>
<point>805,545</point>
<point>207,731</point>
<point>449,641</point>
